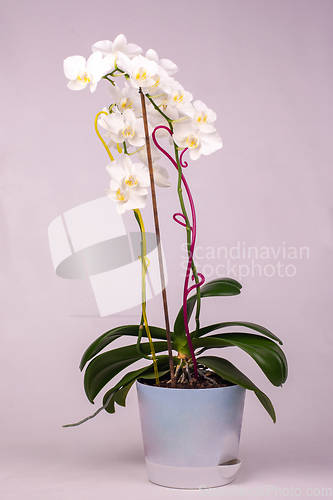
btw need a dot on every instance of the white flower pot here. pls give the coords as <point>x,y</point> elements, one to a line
<point>191,436</point>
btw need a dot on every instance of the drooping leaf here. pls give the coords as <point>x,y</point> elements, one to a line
<point>111,335</point>
<point>246,324</point>
<point>120,390</point>
<point>266,353</point>
<point>223,287</point>
<point>229,372</point>
<point>218,286</point>
<point>120,396</point>
<point>105,366</point>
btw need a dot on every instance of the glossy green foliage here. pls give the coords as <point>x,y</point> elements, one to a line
<point>266,353</point>
<point>106,366</point>
<point>119,392</point>
<point>259,342</point>
<point>223,287</point>
<point>229,372</point>
<point>245,324</point>
<point>132,330</point>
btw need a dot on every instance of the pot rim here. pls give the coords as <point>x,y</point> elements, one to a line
<point>187,389</point>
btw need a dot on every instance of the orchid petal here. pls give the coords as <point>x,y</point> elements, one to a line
<point>104,46</point>
<point>195,153</point>
<point>133,50</point>
<point>120,43</point>
<point>72,65</point>
<point>152,55</point>
<point>74,85</point>
<point>124,63</point>
<point>170,67</point>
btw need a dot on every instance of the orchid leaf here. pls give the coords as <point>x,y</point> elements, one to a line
<point>120,390</point>
<point>111,335</point>
<point>246,324</point>
<point>120,396</point>
<point>228,371</point>
<point>106,366</point>
<point>222,287</point>
<point>266,353</point>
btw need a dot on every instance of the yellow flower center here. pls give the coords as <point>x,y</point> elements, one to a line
<point>120,195</point>
<point>192,141</point>
<point>164,105</point>
<point>201,118</point>
<point>157,81</point>
<point>131,181</point>
<point>140,74</point>
<point>178,96</point>
<point>83,77</point>
<point>126,103</point>
<point>128,132</point>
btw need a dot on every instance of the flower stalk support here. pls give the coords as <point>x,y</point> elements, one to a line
<point>158,238</point>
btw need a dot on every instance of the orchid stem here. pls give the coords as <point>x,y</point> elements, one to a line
<point>99,135</point>
<point>144,272</point>
<point>157,231</point>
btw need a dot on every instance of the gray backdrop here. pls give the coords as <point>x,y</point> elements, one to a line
<point>265,67</point>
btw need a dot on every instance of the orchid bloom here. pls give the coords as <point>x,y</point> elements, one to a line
<point>82,73</point>
<point>128,184</point>
<point>140,69</point>
<point>166,64</point>
<point>110,49</point>
<point>126,98</point>
<point>161,175</point>
<point>202,117</point>
<point>197,142</point>
<point>125,127</point>
<point>162,83</point>
<point>175,102</point>
<point>180,98</point>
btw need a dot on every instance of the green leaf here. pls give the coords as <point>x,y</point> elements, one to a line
<point>246,324</point>
<point>111,335</point>
<point>105,366</point>
<point>266,353</point>
<point>120,396</point>
<point>121,389</point>
<point>229,372</point>
<point>223,287</point>
<point>179,328</point>
<point>110,408</point>
<point>126,381</point>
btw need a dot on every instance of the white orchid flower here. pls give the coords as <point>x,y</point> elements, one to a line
<point>134,175</point>
<point>161,175</point>
<point>156,118</point>
<point>126,127</point>
<point>180,99</point>
<point>82,73</point>
<point>166,64</point>
<point>162,83</point>
<point>126,98</point>
<point>126,199</point>
<point>197,142</point>
<point>140,69</point>
<point>128,185</point>
<point>202,117</point>
<point>110,49</point>
<point>143,156</point>
<point>102,123</point>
